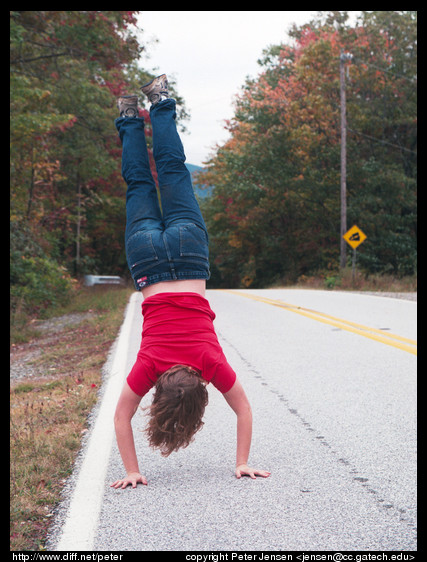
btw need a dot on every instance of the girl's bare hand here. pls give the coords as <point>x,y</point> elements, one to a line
<point>131,479</point>
<point>245,470</point>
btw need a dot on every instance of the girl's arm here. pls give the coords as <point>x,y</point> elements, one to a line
<point>125,410</point>
<point>238,401</point>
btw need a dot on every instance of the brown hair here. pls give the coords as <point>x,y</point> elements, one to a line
<point>176,412</point>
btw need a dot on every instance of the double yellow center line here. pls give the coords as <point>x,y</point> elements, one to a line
<point>400,342</point>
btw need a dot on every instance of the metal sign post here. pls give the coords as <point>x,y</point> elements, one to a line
<point>353,267</point>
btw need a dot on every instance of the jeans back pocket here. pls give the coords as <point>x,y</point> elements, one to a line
<point>193,241</point>
<point>140,249</point>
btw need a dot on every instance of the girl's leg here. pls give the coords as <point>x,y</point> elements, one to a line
<point>179,204</point>
<point>142,204</point>
<point>144,222</point>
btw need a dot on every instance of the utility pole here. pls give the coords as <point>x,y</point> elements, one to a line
<point>79,219</point>
<point>343,58</point>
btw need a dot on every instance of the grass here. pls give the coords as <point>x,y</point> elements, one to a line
<point>345,281</point>
<point>49,413</point>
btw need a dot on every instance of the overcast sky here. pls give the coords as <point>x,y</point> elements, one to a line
<point>209,55</point>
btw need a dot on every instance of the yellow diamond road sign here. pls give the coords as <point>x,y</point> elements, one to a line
<point>354,236</point>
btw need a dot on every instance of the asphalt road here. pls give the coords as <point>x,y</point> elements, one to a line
<point>331,377</point>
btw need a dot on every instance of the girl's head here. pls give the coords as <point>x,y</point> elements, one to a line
<point>177,409</point>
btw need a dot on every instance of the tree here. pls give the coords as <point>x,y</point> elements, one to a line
<point>275,206</point>
<point>67,194</point>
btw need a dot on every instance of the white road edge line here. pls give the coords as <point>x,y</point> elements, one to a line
<point>82,518</point>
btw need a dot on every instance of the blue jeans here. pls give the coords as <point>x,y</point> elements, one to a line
<point>171,242</point>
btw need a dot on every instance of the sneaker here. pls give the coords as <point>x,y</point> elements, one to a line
<point>157,89</point>
<point>128,106</point>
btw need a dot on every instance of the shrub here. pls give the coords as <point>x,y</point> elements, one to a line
<point>37,281</point>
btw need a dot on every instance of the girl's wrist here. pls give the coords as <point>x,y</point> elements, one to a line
<point>136,471</point>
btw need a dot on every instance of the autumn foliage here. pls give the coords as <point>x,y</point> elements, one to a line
<point>67,194</point>
<point>275,211</point>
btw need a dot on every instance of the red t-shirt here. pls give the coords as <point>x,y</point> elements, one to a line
<point>178,329</point>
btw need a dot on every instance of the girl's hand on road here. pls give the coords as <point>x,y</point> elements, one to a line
<point>131,479</point>
<point>245,470</point>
